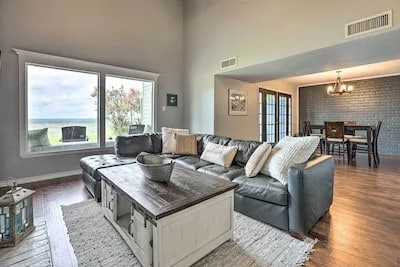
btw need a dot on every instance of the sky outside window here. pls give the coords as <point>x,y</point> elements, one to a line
<point>60,94</point>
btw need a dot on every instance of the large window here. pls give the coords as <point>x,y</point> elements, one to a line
<point>275,115</point>
<point>61,113</point>
<point>129,106</point>
<point>68,105</point>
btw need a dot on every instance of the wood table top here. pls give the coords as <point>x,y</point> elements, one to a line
<point>347,127</point>
<point>156,200</point>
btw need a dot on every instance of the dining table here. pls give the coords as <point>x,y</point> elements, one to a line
<point>369,129</point>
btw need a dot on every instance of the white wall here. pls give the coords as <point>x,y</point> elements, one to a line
<point>138,34</point>
<point>258,31</point>
<point>246,127</point>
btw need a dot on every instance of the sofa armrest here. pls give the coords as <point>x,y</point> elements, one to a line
<point>310,187</point>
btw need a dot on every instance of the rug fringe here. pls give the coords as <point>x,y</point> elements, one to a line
<point>307,254</point>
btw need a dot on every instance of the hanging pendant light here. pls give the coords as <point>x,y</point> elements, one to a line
<point>339,88</point>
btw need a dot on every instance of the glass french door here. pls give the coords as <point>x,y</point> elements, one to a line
<point>275,115</point>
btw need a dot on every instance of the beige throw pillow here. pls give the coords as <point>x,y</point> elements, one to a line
<point>288,152</point>
<point>257,159</point>
<point>219,154</point>
<point>185,144</point>
<point>168,139</point>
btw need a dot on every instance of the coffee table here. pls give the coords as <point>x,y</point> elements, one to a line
<point>168,224</point>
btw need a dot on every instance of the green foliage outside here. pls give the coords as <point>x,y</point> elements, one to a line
<point>122,108</point>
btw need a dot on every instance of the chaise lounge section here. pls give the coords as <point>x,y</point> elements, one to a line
<point>294,207</point>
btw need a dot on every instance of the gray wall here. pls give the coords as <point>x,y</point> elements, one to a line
<point>246,127</point>
<point>138,34</point>
<point>371,100</point>
<point>258,31</point>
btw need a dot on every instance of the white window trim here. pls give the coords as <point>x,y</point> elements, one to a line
<point>28,57</point>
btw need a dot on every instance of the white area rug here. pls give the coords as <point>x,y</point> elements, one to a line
<point>97,243</point>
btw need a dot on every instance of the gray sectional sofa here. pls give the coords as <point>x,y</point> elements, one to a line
<point>294,207</point>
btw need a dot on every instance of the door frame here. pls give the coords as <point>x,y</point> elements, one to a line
<point>276,93</point>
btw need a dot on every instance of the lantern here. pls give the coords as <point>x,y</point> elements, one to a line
<point>16,216</point>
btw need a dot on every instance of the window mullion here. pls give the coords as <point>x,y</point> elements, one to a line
<point>102,111</point>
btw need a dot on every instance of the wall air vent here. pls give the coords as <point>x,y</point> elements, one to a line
<point>228,63</point>
<point>371,24</point>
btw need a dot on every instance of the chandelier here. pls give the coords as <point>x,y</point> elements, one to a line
<point>339,88</point>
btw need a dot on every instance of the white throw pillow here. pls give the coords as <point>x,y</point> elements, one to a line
<point>288,152</point>
<point>257,159</point>
<point>168,139</point>
<point>219,154</point>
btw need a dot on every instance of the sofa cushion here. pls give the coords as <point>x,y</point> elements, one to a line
<point>203,139</point>
<point>245,150</point>
<point>219,154</point>
<point>229,173</point>
<point>91,164</point>
<point>192,162</point>
<point>288,152</point>
<point>263,188</point>
<point>168,139</point>
<point>132,145</point>
<point>186,144</point>
<point>156,140</point>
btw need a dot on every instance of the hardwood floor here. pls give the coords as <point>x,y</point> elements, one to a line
<point>47,204</point>
<point>361,229</point>
<point>363,225</point>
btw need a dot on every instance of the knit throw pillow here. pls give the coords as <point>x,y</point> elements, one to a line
<point>288,152</point>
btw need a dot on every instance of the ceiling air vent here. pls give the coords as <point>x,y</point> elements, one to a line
<point>228,63</point>
<point>371,24</point>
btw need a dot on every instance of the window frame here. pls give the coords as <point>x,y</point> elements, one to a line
<point>26,58</point>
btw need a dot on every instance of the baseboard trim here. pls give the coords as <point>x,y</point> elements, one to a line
<point>39,178</point>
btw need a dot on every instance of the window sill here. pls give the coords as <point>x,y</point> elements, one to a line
<point>77,147</point>
<point>110,143</point>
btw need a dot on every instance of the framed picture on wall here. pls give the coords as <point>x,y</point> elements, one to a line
<point>172,100</point>
<point>237,103</point>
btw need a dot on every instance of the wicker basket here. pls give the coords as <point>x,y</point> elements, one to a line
<point>155,167</point>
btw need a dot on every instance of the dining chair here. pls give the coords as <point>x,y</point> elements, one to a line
<point>307,128</point>
<point>361,145</point>
<point>136,128</point>
<point>73,134</point>
<point>349,133</point>
<point>334,134</point>
<point>307,131</point>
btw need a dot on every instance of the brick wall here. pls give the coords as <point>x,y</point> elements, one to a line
<point>371,100</point>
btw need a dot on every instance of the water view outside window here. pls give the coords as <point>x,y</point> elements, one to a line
<point>61,110</point>
<point>129,104</point>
